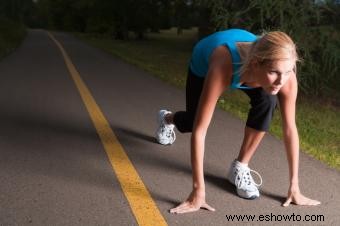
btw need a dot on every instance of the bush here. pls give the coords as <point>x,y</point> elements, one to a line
<point>11,35</point>
<point>304,21</point>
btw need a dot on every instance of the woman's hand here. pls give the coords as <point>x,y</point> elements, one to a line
<point>195,201</point>
<point>295,196</point>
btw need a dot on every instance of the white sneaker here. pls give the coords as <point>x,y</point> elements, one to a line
<point>239,175</point>
<point>165,133</point>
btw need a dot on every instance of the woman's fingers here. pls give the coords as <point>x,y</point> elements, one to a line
<point>179,207</point>
<point>300,199</point>
<point>304,201</point>
<point>314,203</point>
<point>195,201</point>
<point>208,207</point>
<point>187,208</point>
<point>184,209</point>
<point>287,202</point>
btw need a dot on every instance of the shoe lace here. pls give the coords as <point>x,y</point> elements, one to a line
<point>244,177</point>
<point>169,132</point>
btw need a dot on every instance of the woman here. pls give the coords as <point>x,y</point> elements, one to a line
<point>263,68</point>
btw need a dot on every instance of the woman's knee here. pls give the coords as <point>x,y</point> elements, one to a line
<point>270,103</point>
<point>183,121</point>
<point>261,112</point>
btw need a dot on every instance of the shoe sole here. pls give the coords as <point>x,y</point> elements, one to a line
<point>252,197</point>
<point>163,143</point>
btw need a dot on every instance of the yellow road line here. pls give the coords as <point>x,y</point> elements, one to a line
<point>141,203</point>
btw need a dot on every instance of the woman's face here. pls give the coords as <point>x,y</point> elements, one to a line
<point>274,75</point>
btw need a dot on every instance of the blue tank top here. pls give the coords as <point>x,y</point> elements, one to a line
<point>199,63</point>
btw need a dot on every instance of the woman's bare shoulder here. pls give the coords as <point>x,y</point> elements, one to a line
<point>290,88</point>
<point>220,60</point>
<point>220,55</point>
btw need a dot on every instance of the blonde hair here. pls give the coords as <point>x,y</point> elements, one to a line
<point>272,46</point>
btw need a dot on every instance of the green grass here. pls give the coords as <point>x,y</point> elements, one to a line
<point>11,35</point>
<point>166,56</point>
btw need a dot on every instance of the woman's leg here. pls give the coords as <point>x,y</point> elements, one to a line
<point>184,120</point>
<point>251,140</point>
<point>259,117</point>
<point>258,122</point>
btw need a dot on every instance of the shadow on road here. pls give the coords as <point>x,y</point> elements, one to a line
<point>156,160</point>
<point>270,195</point>
<point>135,134</point>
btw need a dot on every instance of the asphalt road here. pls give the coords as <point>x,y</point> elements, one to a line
<point>54,170</point>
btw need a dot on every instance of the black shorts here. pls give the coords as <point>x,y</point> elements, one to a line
<point>259,116</point>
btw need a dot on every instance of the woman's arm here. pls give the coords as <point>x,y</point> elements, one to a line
<point>287,99</point>
<point>217,80</point>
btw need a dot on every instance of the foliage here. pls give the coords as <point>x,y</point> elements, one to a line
<point>15,10</point>
<point>12,30</point>
<point>11,35</point>
<point>312,26</point>
<point>115,17</point>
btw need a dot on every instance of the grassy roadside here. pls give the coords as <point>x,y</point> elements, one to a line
<point>166,55</point>
<point>11,35</point>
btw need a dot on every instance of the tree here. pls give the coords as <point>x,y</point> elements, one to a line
<point>16,10</point>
